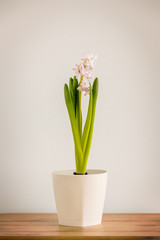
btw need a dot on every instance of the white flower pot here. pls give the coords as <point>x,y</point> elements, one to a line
<point>79,198</point>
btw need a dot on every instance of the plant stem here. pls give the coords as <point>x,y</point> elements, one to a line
<point>80,111</point>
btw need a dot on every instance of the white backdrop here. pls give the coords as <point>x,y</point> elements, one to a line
<point>40,43</point>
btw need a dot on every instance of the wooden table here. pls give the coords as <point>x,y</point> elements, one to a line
<point>45,226</point>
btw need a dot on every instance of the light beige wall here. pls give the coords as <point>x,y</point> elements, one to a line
<point>39,44</point>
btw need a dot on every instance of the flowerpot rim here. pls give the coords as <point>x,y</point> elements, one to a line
<point>69,173</point>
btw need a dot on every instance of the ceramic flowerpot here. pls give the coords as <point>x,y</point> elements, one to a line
<point>79,198</point>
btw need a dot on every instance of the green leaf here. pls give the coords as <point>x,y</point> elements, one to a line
<point>78,110</point>
<point>79,114</point>
<point>87,123</point>
<point>74,124</point>
<point>71,86</point>
<point>75,92</point>
<point>88,146</point>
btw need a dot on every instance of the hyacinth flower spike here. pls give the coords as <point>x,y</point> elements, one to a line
<point>72,93</point>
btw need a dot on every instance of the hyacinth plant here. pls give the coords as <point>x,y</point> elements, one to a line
<point>72,92</point>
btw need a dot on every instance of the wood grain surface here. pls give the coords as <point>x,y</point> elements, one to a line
<point>45,226</point>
